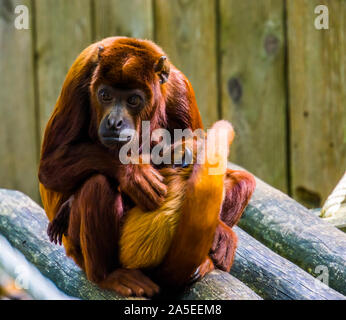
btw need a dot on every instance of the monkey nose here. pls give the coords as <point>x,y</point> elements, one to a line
<point>110,122</point>
<point>113,123</point>
<point>119,124</point>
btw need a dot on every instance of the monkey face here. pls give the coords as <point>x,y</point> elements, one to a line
<point>125,87</point>
<point>120,109</point>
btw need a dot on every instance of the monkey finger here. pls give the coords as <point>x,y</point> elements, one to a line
<point>60,238</point>
<point>55,238</point>
<point>139,278</point>
<point>159,187</point>
<point>55,235</point>
<point>216,241</point>
<point>121,289</point>
<point>135,285</point>
<point>51,232</point>
<point>155,179</point>
<point>157,174</point>
<point>147,281</point>
<point>151,199</point>
<point>220,254</point>
<point>150,284</point>
<point>194,277</point>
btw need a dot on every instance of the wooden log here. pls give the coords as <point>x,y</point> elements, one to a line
<point>24,225</point>
<point>289,229</point>
<point>270,275</point>
<point>26,276</point>
<point>274,277</point>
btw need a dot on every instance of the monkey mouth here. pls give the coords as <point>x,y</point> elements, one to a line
<point>115,139</point>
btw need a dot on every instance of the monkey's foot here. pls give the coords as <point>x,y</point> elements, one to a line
<point>206,267</point>
<point>128,282</point>
<point>223,249</point>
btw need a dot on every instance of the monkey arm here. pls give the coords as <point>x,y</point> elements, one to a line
<point>64,169</point>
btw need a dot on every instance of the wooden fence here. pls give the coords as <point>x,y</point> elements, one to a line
<point>260,64</point>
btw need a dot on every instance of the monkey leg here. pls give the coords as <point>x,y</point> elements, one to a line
<point>239,186</point>
<point>93,227</point>
<point>93,236</point>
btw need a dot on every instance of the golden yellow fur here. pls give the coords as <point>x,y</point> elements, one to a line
<point>146,236</point>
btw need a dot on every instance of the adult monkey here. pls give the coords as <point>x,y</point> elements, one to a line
<point>113,86</point>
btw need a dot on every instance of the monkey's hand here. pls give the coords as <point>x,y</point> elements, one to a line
<point>59,225</point>
<point>143,184</point>
<point>128,282</point>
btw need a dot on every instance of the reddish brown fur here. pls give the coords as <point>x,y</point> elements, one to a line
<point>74,162</point>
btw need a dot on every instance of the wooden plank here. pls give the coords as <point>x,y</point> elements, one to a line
<point>317,76</point>
<point>24,224</point>
<point>63,30</point>
<point>289,229</point>
<point>186,30</point>
<point>130,18</point>
<point>18,137</point>
<point>253,92</point>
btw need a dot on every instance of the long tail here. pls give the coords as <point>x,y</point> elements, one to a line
<point>201,208</point>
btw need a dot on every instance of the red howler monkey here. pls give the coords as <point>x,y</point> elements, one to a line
<point>112,87</point>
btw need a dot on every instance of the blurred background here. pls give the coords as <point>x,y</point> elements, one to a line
<point>260,64</point>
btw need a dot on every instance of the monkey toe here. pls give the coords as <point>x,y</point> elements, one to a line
<point>206,267</point>
<point>128,282</point>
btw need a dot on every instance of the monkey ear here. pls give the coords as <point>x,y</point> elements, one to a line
<point>162,69</point>
<point>100,50</point>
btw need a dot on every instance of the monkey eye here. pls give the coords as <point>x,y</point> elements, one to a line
<point>105,95</point>
<point>134,100</point>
